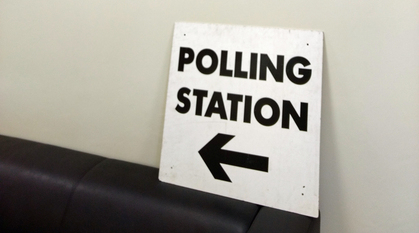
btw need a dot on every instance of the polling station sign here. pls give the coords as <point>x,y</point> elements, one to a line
<point>242,114</point>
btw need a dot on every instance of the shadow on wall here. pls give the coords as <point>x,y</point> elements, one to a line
<point>330,190</point>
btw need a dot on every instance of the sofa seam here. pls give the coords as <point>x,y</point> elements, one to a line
<point>254,218</point>
<point>73,190</point>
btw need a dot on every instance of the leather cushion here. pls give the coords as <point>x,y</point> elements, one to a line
<point>36,183</point>
<point>118,196</point>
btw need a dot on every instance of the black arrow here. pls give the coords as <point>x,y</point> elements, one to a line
<point>213,156</point>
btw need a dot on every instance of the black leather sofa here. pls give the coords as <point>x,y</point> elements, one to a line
<point>45,188</point>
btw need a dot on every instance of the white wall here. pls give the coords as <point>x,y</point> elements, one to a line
<point>91,75</point>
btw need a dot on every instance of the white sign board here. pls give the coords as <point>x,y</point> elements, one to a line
<point>243,114</point>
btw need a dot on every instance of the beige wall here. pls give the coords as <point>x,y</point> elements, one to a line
<point>91,75</point>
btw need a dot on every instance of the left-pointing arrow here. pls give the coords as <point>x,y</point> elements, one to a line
<point>213,156</point>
